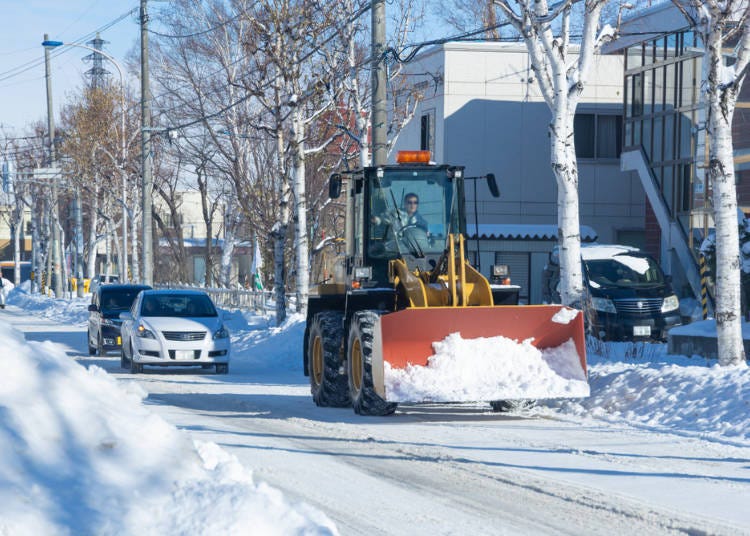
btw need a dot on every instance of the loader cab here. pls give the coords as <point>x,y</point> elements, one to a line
<point>403,211</point>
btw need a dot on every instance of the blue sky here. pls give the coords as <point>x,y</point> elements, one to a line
<point>23,94</point>
<point>22,80</point>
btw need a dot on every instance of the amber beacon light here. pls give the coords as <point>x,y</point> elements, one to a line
<point>413,157</point>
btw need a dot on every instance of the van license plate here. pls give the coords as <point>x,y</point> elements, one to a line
<point>183,354</point>
<point>642,331</point>
<point>119,341</point>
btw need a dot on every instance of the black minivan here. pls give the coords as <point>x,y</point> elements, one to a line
<point>107,302</point>
<point>628,295</point>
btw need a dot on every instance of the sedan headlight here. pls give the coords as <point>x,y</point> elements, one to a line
<point>221,333</point>
<point>144,332</point>
<point>604,305</point>
<point>108,322</point>
<point>670,304</point>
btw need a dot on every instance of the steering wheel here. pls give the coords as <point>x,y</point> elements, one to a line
<point>415,238</point>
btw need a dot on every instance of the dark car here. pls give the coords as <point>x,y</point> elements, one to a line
<point>107,302</point>
<point>628,297</point>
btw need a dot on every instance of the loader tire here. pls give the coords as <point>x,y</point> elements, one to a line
<point>365,400</point>
<point>328,387</point>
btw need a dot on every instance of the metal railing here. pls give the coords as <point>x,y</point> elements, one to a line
<point>258,300</point>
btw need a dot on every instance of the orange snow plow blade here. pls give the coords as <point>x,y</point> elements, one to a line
<point>405,340</point>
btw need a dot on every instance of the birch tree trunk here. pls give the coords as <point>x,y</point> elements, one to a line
<point>565,168</point>
<point>561,83</point>
<point>280,228</point>
<point>225,270</point>
<point>18,226</point>
<point>134,272</point>
<point>300,202</point>
<point>721,99</point>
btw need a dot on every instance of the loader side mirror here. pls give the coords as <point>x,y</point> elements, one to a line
<point>334,186</point>
<point>492,185</point>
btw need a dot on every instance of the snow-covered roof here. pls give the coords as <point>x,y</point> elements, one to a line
<point>523,231</point>
<point>604,251</point>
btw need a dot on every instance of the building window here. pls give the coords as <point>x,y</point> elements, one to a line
<point>427,131</point>
<point>598,136</point>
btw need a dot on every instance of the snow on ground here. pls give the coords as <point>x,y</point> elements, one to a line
<point>82,455</point>
<point>144,475</point>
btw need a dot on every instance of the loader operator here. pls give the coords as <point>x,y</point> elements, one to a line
<point>408,217</point>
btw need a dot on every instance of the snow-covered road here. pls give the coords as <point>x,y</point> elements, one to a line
<point>446,469</point>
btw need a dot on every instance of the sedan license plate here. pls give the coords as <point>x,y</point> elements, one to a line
<point>183,354</point>
<point>119,341</point>
<point>641,331</point>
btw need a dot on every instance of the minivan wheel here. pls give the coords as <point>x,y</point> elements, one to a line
<point>99,345</point>
<point>92,349</point>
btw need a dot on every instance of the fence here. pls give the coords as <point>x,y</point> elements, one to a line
<point>257,300</point>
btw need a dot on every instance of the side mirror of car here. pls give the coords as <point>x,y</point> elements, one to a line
<point>125,315</point>
<point>334,186</point>
<point>93,308</point>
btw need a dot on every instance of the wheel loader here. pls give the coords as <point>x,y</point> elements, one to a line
<point>392,317</point>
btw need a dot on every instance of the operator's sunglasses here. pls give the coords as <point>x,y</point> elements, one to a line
<point>412,202</point>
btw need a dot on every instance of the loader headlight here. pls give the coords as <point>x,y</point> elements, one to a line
<point>501,274</point>
<point>604,305</point>
<point>670,303</point>
<point>362,273</point>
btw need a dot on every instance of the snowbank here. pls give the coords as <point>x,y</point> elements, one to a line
<point>640,384</point>
<point>81,455</point>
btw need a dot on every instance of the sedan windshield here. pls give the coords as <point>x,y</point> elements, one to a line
<point>182,305</point>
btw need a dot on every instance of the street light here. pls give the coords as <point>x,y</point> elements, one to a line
<point>49,44</point>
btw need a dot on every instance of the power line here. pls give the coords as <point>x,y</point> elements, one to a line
<point>20,69</point>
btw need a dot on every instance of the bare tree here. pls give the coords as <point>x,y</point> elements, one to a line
<point>561,72</point>
<point>721,25</point>
<point>464,15</point>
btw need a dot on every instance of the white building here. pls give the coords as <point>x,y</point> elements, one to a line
<point>481,108</point>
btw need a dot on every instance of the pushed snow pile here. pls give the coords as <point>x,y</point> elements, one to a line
<point>683,395</point>
<point>81,455</point>
<point>489,368</point>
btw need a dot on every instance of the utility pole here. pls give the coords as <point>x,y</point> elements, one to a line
<point>148,258</point>
<point>53,160</point>
<point>379,117</point>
